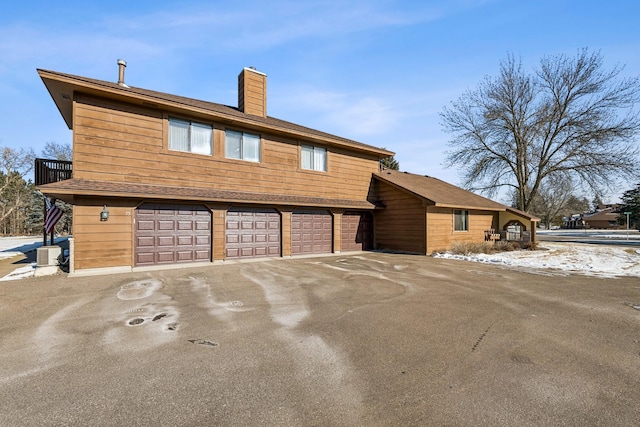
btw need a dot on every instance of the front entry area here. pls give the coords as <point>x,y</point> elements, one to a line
<point>171,234</point>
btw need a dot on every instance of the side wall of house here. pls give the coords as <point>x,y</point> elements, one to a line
<point>126,143</point>
<point>400,226</point>
<point>440,232</point>
<point>100,244</point>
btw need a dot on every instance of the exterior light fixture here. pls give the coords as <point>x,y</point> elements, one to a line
<point>104,215</point>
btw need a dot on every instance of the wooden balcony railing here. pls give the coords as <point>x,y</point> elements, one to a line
<point>48,171</point>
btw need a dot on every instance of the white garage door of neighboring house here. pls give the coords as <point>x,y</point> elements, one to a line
<point>312,232</point>
<point>170,234</point>
<point>252,233</point>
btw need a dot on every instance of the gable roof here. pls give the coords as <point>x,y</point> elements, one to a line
<point>62,86</point>
<point>443,194</point>
<point>608,214</point>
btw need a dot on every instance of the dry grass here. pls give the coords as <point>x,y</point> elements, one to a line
<point>469,248</point>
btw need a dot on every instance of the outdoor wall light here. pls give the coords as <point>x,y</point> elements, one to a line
<point>104,215</point>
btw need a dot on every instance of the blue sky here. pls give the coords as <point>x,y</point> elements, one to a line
<point>375,71</point>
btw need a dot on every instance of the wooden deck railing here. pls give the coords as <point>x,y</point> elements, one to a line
<point>48,171</point>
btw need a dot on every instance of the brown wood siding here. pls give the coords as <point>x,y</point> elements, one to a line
<point>286,232</point>
<point>357,231</point>
<point>99,244</point>
<point>252,233</point>
<point>440,228</point>
<point>219,215</point>
<point>252,93</point>
<point>122,143</point>
<point>172,234</point>
<point>400,226</point>
<point>311,232</point>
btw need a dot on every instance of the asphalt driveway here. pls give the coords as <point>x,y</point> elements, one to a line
<point>368,339</point>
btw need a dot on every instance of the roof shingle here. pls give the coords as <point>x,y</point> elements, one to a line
<point>442,193</point>
<point>83,187</point>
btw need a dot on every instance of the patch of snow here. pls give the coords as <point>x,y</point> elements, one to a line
<point>594,260</point>
<point>23,244</point>
<point>20,273</point>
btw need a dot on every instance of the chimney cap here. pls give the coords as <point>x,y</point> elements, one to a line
<point>121,66</point>
<point>253,70</point>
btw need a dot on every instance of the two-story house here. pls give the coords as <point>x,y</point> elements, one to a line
<point>162,179</point>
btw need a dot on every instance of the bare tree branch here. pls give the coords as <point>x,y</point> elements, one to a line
<point>570,119</point>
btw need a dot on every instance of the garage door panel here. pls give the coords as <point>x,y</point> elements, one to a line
<point>184,255</point>
<point>145,258</point>
<point>357,231</point>
<point>164,241</point>
<point>203,240</point>
<point>166,257</point>
<point>172,234</point>
<point>252,232</point>
<point>145,224</point>
<point>145,241</point>
<point>312,232</point>
<point>165,224</point>
<point>185,241</point>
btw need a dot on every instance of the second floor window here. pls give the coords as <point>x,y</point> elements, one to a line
<point>243,146</point>
<point>190,136</point>
<point>313,158</point>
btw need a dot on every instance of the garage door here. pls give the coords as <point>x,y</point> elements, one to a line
<point>312,232</point>
<point>252,233</point>
<point>357,231</point>
<point>170,234</point>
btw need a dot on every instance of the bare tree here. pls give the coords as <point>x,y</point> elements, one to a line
<point>14,190</point>
<point>570,119</point>
<point>53,150</point>
<point>552,200</point>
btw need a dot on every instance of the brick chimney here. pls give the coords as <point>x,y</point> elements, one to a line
<point>252,92</point>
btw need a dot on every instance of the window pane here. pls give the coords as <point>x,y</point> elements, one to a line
<point>251,147</point>
<point>178,135</point>
<point>306,160</point>
<point>200,139</point>
<point>232,144</point>
<point>320,159</point>
<point>461,220</point>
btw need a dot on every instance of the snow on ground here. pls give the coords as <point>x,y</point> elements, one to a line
<point>565,258</point>
<point>14,246</point>
<point>556,258</point>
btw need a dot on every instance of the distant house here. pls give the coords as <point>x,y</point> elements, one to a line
<point>160,179</point>
<point>605,217</point>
